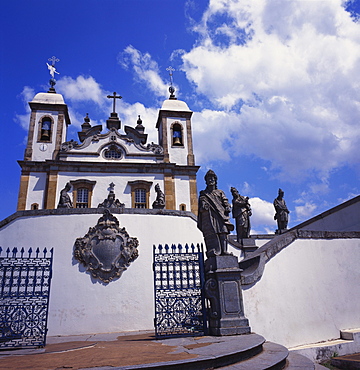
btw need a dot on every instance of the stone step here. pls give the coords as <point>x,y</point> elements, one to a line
<point>272,357</point>
<point>299,362</point>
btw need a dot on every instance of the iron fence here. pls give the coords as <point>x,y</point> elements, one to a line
<point>24,297</point>
<point>178,284</point>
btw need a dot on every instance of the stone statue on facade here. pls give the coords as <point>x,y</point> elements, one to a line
<point>281,212</point>
<point>241,211</point>
<point>65,201</point>
<point>159,202</point>
<point>110,201</point>
<point>213,217</point>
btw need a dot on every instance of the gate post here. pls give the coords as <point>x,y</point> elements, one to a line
<point>223,289</point>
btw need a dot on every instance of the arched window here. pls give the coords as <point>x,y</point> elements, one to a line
<point>34,206</point>
<point>177,136</point>
<point>45,129</point>
<point>112,152</point>
<point>182,207</point>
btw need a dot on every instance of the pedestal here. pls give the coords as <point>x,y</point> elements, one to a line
<point>223,289</point>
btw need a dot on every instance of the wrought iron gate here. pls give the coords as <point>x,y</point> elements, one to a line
<point>179,299</point>
<point>24,297</point>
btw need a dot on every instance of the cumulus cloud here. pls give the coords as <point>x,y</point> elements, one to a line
<point>23,119</point>
<point>283,80</point>
<point>82,89</point>
<point>305,211</point>
<point>146,70</point>
<point>262,214</point>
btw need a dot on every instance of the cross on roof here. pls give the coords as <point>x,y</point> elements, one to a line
<point>171,70</point>
<point>114,96</point>
<point>53,60</point>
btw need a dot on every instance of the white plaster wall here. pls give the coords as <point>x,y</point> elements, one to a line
<point>346,219</point>
<point>308,292</point>
<point>182,192</point>
<point>36,188</point>
<point>100,191</point>
<point>177,154</point>
<point>80,304</point>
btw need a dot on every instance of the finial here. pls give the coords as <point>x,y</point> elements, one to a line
<point>171,88</point>
<point>114,96</point>
<point>139,125</point>
<point>86,125</point>
<point>112,185</point>
<point>52,71</point>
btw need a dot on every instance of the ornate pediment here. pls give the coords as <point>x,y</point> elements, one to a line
<point>106,250</point>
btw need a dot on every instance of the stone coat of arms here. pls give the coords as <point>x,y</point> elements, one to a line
<point>106,250</point>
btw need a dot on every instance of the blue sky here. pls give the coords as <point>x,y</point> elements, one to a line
<point>274,86</point>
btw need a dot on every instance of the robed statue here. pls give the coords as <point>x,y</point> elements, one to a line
<point>213,217</point>
<point>159,202</point>
<point>65,201</point>
<point>241,211</point>
<point>281,212</point>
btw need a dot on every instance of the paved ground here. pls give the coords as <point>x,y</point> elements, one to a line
<point>79,352</point>
<point>116,350</point>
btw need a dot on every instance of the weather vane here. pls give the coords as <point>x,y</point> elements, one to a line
<point>52,71</point>
<point>171,88</point>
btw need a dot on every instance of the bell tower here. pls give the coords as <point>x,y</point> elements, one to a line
<point>48,122</point>
<point>174,129</point>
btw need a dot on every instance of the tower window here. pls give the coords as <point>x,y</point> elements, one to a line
<point>182,207</point>
<point>45,129</point>
<point>177,137</point>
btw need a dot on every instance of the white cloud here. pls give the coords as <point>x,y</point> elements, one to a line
<point>294,68</point>
<point>306,211</point>
<point>262,213</point>
<point>82,89</point>
<point>146,70</point>
<point>23,119</point>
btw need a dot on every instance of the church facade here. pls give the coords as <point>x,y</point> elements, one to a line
<point>123,158</point>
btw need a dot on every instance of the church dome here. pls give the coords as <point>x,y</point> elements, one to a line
<point>175,105</point>
<point>48,98</point>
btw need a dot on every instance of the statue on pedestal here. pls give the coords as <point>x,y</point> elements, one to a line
<point>65,201</point>
<point>281,212</point>
<point>213,217</point>
<point>159,202</point>
<point>241,211</point>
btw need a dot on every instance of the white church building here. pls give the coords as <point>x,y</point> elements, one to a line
<point>300,287</point>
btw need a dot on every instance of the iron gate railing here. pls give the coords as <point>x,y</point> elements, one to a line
<point>179,300</point>
<point>24,297</point>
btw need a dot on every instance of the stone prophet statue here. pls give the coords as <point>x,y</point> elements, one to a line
<point>65,201</point>
<point>213,217</point>
<point>281,212</point>
<point>241,211</point>
<point>159,202</point>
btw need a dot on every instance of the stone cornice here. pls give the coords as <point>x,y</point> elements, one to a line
<point>106,167</point>
<point>92,211</point>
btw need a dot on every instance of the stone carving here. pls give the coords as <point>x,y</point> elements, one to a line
<point>68,145</point>
<point>241,211</point>
<point>106,250</point>
<point>213,217</point>
<point>65,201</point>
<point>281,212</point>
<point>155,148</point>
<point>110,201</point>
<point>159,203</point>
